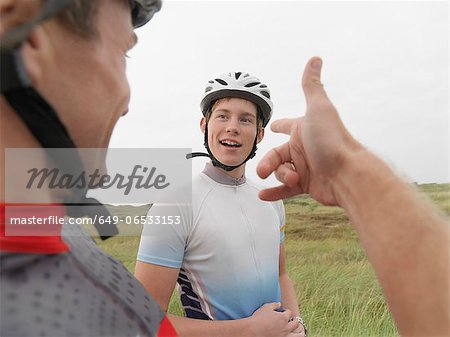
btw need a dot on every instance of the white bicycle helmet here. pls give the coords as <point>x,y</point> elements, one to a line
<point>240,85</point>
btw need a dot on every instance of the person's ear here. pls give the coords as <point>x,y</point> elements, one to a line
<point>34,53</point>
<point>203,124</point>
<point>15,13</point>
<point>260,135</point>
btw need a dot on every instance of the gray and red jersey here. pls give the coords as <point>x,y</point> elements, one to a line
<point>79,292</point>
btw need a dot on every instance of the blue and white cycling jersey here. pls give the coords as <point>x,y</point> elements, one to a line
<point>226,247</point>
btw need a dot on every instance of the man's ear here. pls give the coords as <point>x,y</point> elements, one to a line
<point>34,53</point>
<point>203,124</point>
<point>15,13</point>
<point>260,136</point>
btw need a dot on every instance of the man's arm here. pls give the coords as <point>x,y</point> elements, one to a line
<point>158,280</point>
<point>265,322</point>
<point>288,296</point>
<point>405,238</point>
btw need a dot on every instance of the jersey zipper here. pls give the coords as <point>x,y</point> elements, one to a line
<point>252,240</point>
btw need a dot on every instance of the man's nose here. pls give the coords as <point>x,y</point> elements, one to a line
<point>233,126</point>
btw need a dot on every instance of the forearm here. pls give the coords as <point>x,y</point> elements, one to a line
<point>188,327</point>
<point>288,296</point>
<point>412,268</point>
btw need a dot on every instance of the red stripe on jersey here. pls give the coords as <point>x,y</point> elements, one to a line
<point>166,329</point>
<point>29,236</point>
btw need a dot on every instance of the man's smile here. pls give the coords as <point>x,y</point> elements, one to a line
<point>229,143</point>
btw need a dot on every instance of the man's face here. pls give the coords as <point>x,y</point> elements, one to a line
<point>232,130</point>
<point>84,77</point>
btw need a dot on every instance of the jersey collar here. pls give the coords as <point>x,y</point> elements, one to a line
<point>219,176</point>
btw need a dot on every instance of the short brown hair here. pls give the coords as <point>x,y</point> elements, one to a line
<point>259,119</point>
<point>79,17</point>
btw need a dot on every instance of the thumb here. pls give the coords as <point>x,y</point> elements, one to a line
<point>273,305</point>
<point>311,84</point>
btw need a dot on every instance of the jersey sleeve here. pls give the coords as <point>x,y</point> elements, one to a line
<point>164,235</point>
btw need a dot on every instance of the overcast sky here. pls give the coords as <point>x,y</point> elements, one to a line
<point>386,68</point>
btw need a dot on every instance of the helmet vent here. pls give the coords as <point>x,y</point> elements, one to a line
<point>246,75</point>
<point>221,81</point>
<point>208,89</point>
<point>237,75</point>
<point>211,82</point>
<point>263,86</point>
<point>252,84</point>
<point>265,93</point>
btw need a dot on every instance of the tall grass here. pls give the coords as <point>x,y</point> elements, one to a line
<point>336,287</point>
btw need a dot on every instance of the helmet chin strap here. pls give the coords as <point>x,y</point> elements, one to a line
<point>215,161</point>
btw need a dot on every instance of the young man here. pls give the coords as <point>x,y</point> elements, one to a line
<point>227,253</point>
<point>64,85</point>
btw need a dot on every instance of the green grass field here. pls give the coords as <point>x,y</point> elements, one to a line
<point>335,284</point>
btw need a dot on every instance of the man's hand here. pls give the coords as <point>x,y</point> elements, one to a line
<point>299,332</point>
<point>267,322</point>
<point>318,149</point>
<point>405,238</point>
